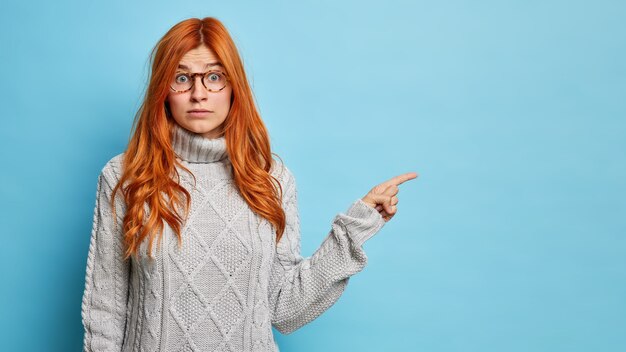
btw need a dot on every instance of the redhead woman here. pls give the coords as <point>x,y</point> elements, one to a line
<point>195,244</point>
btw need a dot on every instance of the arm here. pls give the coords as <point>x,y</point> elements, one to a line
<point>301,289</point>
<point>106,281</point>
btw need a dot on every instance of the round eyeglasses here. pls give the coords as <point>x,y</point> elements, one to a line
<point>214,81</point>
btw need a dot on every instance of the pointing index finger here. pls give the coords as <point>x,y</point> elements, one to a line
<point>398,180</point>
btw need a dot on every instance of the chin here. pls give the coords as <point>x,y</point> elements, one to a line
<point>197,126</point>
<point>202,127</point>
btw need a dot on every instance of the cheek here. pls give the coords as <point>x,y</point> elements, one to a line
<point>175,102</point>
<point>176,105</point>
<point>224,101</point>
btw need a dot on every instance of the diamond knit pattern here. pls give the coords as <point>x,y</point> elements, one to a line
<point>215,254</point>
<point>228,282</point>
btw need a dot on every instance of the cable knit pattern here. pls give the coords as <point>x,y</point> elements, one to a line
<point>229,282</point>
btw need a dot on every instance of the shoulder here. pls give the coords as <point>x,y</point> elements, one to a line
<point>112,169</point>
<point>287,181</point>
<point>282,173</point>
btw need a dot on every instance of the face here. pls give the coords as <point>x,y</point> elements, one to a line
<point>216,105</point>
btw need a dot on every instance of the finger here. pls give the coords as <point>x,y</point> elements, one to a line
<point>387,217</point>
<point>384,201</point>
<point>392,205</point>
<point>400,179</point>
<point>391,190</point>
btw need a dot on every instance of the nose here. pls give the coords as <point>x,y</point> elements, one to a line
<point>198,92</point>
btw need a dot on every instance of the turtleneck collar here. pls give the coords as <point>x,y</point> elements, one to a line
<point>195,148</point>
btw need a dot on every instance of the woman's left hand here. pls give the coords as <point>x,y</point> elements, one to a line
<point>383,196</point>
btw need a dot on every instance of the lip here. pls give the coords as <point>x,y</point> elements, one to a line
<point>199,112</point>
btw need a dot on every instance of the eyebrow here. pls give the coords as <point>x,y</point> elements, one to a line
<point>207,65</point>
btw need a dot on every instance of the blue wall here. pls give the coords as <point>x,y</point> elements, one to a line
<point>512,112</point>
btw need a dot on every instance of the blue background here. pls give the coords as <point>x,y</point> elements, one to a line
<point>513,113</point>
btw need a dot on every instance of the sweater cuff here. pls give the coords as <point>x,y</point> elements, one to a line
<point>362,222</point>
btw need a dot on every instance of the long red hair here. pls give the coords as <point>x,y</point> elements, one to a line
<point>149,162</point>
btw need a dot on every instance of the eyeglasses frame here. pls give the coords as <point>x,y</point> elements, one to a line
<point>201,74</point>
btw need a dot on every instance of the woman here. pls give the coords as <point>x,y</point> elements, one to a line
<point>198,176</point>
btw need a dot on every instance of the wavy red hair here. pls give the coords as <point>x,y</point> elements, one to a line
<point>149,162</point>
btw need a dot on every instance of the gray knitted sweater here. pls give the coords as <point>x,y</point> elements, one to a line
<point>229,283</point>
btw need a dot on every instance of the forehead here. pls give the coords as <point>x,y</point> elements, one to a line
<point>199,58</point>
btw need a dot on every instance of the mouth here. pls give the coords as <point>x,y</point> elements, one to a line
<point>199,111</point>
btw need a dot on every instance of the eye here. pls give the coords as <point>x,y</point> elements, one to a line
<point>182,78</point>
<point>214,77</point>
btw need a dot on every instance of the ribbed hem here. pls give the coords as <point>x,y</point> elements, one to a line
<point>362,221</point>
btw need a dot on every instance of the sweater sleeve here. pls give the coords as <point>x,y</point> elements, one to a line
<point>106,281</point>
<point>301,289</point>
